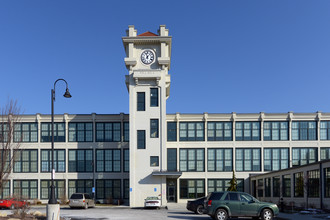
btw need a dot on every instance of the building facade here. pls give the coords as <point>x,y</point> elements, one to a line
<point>152,153</point>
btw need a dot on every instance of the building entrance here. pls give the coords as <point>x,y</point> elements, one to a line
<point>171,190</point>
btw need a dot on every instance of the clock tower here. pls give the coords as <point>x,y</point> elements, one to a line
<point>148,83</point>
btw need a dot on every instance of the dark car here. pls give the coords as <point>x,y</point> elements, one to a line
<point>224,205</point>
<point>196,205</point>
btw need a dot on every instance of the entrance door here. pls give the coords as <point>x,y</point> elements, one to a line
<point>171,190</point>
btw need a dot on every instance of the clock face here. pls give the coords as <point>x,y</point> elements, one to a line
<point>147,57</point>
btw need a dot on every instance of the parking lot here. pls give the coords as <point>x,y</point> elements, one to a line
<point>174,211</point>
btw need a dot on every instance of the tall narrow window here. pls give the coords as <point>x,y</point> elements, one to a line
<point>313,183</point>
<point>299,184</point>
<point>286,182</point>
<point>171,159</point>
<point>171,131</point>
<point>154,128</point>
<point>141,105</point>
<point>154,97</point>
<point>276,186</point>
<point>141,139</point>
<point>126,131</point>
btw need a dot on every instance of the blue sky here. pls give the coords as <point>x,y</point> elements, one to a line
<point>245,56</point>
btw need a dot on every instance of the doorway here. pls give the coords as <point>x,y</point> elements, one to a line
<point>171,190</point>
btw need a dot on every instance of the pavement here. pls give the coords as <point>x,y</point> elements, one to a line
<point>172,211</point>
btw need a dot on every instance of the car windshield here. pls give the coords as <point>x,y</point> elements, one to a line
<point>152,198</point>
<point>76,196</point>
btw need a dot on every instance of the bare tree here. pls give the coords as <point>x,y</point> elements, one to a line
<point>10,116</point>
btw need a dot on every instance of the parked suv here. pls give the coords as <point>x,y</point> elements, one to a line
<point>224,205</point>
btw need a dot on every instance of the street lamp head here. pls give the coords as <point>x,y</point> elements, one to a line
<point>67,93</point>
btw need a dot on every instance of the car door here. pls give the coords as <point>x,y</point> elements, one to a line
<point>249,207</point>
<point>233,202</point>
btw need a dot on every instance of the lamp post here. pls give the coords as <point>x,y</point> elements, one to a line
<point>52,199</point>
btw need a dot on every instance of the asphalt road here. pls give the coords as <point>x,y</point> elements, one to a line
<point>174,211</point>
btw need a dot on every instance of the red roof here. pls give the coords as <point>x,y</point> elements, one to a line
<point>147,34</point>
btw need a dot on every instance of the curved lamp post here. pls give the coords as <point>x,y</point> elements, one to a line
<point>52,199</point>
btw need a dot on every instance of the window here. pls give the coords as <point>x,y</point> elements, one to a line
<point>192,160</point>
<point>80,186</point>
<point>275,131</point>
<point>108,132</point>
<point>267,187</point>
<point>126,131</point>
<point>171,160</point>
<point>4,131</point>
<point>59,189</point>
<point>325,130</point>
<point>126,188</point>
<point>325,153</point>
<point>276,159</point>
<point>25,132</point>
<point>286,180</point>
<point>126,160</point>
<point>141,106</point>
<point>26,188</point>
<point>81,161</point>
<point>247,131</point>
<point>5,159</point>
<point>5,192</point>
<point>303,130</point>
<point>192,189</point>
<point>26,161</point>
<point>108,189</point>
<point>108,160</point>
<point>276,186</point>
<point>191,131</point>
<point>154,124</point>
<point>171,131</point>
<point>299,184</point>
<point>59,160</point>
<point>219,131</point>
<point>302,156</point>
<point>248,159</point>
<point>219,160</point>
<point>327,182</point>
<point>260,188</point>
<point>80,132</point>
<point>141,139</point>
<point>221,185</point>
<point>154,161</point>
<point>46,132</point>
<point>313,183</point>
<point>154,97</point>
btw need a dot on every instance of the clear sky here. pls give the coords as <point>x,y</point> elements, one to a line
<point>244,56</point>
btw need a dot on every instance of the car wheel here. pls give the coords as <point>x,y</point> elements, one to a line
<point>199,209</point>
<point>221,214</point>
<point>267,214</point>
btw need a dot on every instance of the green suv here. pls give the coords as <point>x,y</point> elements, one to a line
<point>224,205</point>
